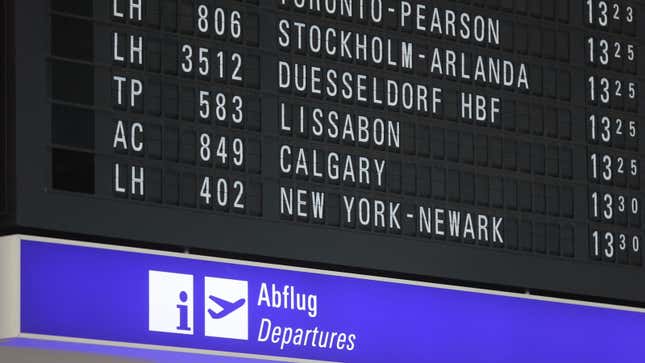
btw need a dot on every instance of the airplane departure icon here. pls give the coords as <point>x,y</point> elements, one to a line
<point>226,306</point>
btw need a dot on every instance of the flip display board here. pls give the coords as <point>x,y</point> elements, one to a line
<point>489,142</point>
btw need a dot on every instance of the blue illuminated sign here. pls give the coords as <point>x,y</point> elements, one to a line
<point>179,301</point>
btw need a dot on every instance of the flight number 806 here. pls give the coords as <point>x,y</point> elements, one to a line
<point>220,22</point>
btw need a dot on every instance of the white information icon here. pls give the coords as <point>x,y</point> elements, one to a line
<point>170,303</point>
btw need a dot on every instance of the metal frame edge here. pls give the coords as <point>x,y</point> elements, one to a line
<point>9,287</point>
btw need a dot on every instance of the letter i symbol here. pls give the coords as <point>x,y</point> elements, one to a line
<point>183,312</point>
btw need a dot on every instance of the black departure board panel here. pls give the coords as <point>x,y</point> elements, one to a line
<point>6,60</point>
<point>484,141</point>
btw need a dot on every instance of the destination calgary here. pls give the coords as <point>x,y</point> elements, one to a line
<point>366,67</point>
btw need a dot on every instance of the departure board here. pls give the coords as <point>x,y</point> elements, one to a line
<point>494,142</point>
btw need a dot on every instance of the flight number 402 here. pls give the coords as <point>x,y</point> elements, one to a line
<point>222,194</point>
